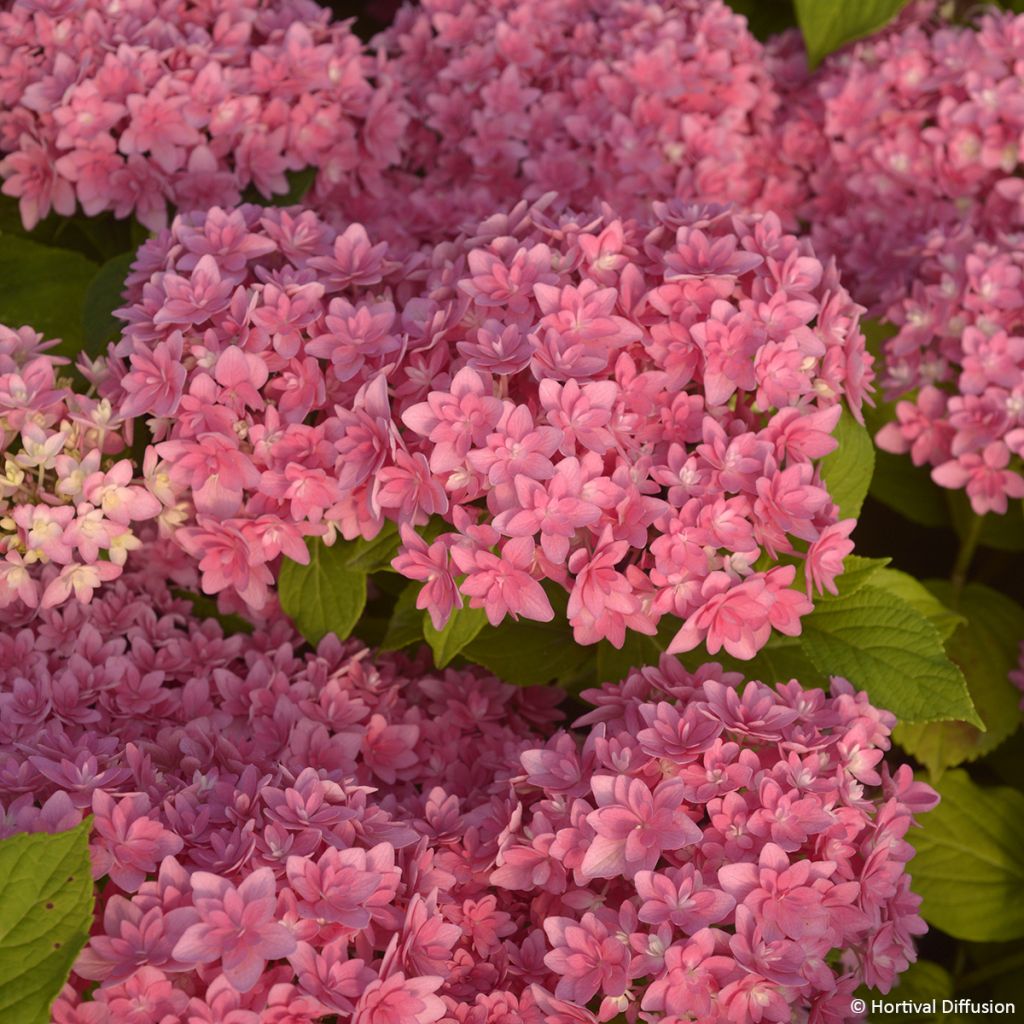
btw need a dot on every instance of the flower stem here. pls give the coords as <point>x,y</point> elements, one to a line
<point>963,558</point>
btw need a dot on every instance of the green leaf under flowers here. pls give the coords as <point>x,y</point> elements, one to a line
<point>921,983</point>
<point>968,868</point>
<point>529,653</point>
<point>44,288</point>
<point>857,572</point>
<point>909,490</point>
<point>325,596</point>
<point>827,25</point>
<point>371,555</point>
<point>886,647</point>
<point>847,471</point>
<point>102,297</point>
<point>919,596</point>
<point>460,629</point>
<point>46,908</point>
<point>405,626</point>
<point>985,646</point>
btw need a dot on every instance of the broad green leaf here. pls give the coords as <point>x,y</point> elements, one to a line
<point>612,664</point>
<point>847,470</point>
<point>918,596</point>
<point>326,596</point>
<point>909,490</point>
<point>44,288</point>
<point>886,647</point>
<point>829,24</point>
<point>46,907</point>
<point>921,983</point>
<point>985,646</point>
<point>102,297</point>
<point>765,18</point>
<point>779,661</point>
<point>372,555</point>
<point>460,629</point>
<point>857,572</point>
<point>406,624</point>
<point>969,870</point>
<point>529,653</point>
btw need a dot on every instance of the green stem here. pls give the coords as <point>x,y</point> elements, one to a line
<point>993,970</point>
<point>965,554</point>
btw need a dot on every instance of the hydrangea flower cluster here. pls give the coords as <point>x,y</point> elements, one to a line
<point>132,106</point>
<point>68,498</point>
<point>631,411</point>
<point>959,355</point>
<point>915,129</point>
<point>283,837</point>
<point>627,101</point>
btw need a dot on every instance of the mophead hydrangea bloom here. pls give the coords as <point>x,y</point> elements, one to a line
<point>632,412</point>
<point>69,501</point>
<point>283,835</point>
<point>131,107</point>
<point>911,144</point>
<point>620,100</point>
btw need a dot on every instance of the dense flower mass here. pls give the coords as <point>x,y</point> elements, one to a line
<point>631,411</point>
<point>626,101</point>
<point>288,837</point>
<point>68,494</point>
<point>133,106</point>
<point>911,145</point>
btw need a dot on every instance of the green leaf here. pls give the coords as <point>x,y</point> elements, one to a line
<point>406,624</point>
<point>847,471</point>
<point>206,608</point>
<point>968,869</point>
<point>529,653</point>
<point>909,490</point>
<point>460,629</point>
<point>920,597</point>
<point>886,647</point>
<point>857,572</point>
<point>45,289</point>
<point>985,646</point>
<point>46,907</point>
<point>299,183</point>
<point>326,596</point>
<point>372,555</point>
<point>921,983</point>
<point>830,24</point>
<point>613,664</point>
<point>102,297</point>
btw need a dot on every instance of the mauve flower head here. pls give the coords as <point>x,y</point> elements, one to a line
<point>503,874</point>
<point>641,453</point>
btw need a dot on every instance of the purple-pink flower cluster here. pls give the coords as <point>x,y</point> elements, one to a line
<point>627,102</point>
<point>910,142</point>
<point>281,837</point>
<point>959,358</point>
<point>134,106</point>
<point>69,500</point>
<point>630,410</point>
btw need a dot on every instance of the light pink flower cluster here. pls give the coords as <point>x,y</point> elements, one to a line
<point>134,106</point>
<point>282,837</point>
<point>631,411</point>
<point>625,101</point>
<point>959,357</point>
<point>68,497</point>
